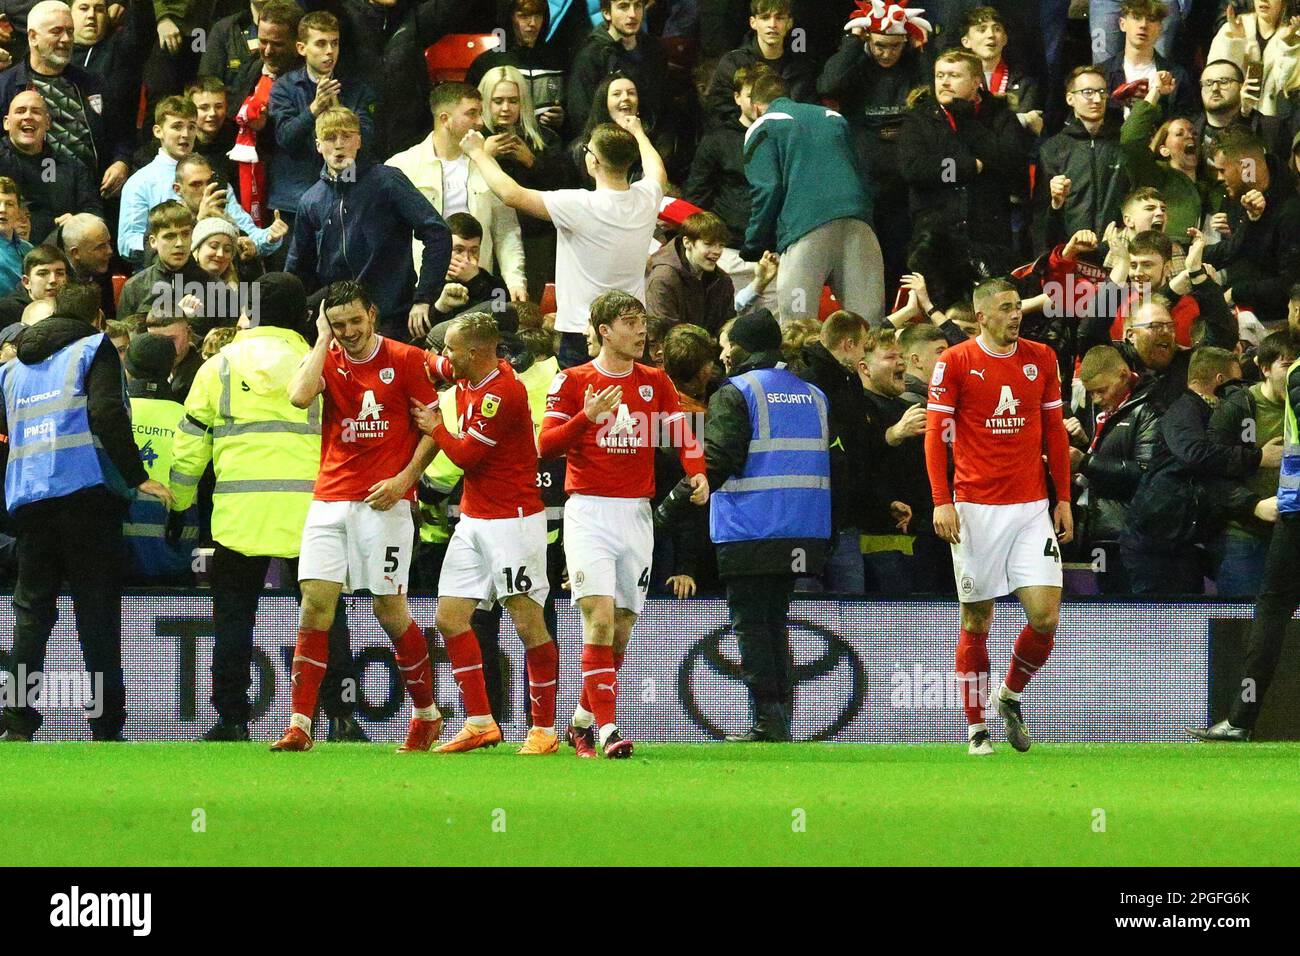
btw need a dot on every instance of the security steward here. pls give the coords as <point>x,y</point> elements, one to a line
<point>160,543</point>
<point>1279,592</point>
<point>266,454</point>
<point>70,474</point>
<point>766,443</point>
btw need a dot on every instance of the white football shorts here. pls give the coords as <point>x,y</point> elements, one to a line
<point>1003,548</point>
<point>608,545</point>
<point>351,543</point>
<point>493,559</point>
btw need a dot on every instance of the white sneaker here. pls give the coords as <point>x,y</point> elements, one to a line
<point>981,745</point>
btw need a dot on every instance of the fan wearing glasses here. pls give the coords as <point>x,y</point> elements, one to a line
<point>1082,179</point>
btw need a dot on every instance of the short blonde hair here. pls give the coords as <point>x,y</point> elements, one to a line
<point>336,119</point>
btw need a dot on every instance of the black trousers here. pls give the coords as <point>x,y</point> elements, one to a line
<point>760,612</point>
<point>237,581</point>
<point>1279,596</point>
<point>1155,572</point>
<point>78,540</point>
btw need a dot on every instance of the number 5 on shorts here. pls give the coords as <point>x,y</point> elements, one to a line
<point>391,560</point>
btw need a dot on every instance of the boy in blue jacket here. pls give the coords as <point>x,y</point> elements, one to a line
<point>357,222</point>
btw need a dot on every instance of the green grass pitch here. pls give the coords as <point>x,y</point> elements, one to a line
<point>80,804</point>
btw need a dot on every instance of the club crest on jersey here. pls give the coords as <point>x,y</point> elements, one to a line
<point>1031,372</point>
<point>556,383</point>
<point>386,376</point>
<point>490,404</point>
<point>646,392</point>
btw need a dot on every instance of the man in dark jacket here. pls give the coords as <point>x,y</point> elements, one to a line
<point>1260,260</point>
<point>114,53</point>
<point>80,128</point>
<point>964,155</point>
<point>526,27</point>
<point>1082,178</point>
<point>301,95</point>
<point>765,531</point>
<point>53,187</point>
<point>684,283</point>
<point>1140,22</point>
<point>770,45</point>
<point>1125,424</point>
<point>69,528</point>
<point>618,45</point>
<point>871,76</point>
<point>1191,487</point>
<point>358,222</point>
<point>383,46</point>
<point>232,42</point>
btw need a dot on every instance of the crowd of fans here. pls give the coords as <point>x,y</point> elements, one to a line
<point>854,167</point>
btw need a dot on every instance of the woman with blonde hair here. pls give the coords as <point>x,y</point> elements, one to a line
<point>532,155</point>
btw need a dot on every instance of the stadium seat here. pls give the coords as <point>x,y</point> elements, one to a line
<point>548,298</point>
<point>118,282</point>
<point>450,57</point>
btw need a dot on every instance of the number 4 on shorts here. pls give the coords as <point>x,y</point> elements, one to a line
<point>1050,550</point>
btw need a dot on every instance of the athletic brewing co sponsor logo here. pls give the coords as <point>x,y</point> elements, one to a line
<point>77,909</point>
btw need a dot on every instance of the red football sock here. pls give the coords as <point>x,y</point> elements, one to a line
<point>467,668</point>
<point>413,661</point>
<point>543,671</point>
<point>1029,654</point>
<point>308,670</point>
<point>973,669</point>
<point>600,681</point>
<point>582,696</point>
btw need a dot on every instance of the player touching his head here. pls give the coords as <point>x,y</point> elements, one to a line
<point>607,416</point>
<point>360,532</point>
<point>996,400</point>
<point>498,551</point>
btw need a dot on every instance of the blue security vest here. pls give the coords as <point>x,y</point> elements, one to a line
<point>52,451</point>
<point>1288,484</point>
<point>784,490</point>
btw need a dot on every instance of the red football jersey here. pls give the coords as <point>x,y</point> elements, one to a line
<point>503,484</point>
<point>997,403</point>
<point>614,458</point>
<point>367,433</point>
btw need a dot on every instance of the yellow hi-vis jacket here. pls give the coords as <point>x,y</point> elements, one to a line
<point>266,452</point>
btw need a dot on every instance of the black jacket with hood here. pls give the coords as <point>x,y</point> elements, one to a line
<point>543,64</point>
<point>646,66</point>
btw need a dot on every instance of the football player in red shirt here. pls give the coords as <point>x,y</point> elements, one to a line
<point>607,416</point>
<point>498,550</point>
<point>360,532</point>
<point>996,399</point>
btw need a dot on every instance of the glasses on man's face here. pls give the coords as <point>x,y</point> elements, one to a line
<point>1156,326</point>
<point>1219,84</point>
<point>1092,93</point>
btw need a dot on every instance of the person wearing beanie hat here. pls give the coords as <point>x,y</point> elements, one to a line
<point>766,442</point>
<point>158,541</point>
<point>149,361</point>
<point>266,453</point>
<point>9,341</point>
